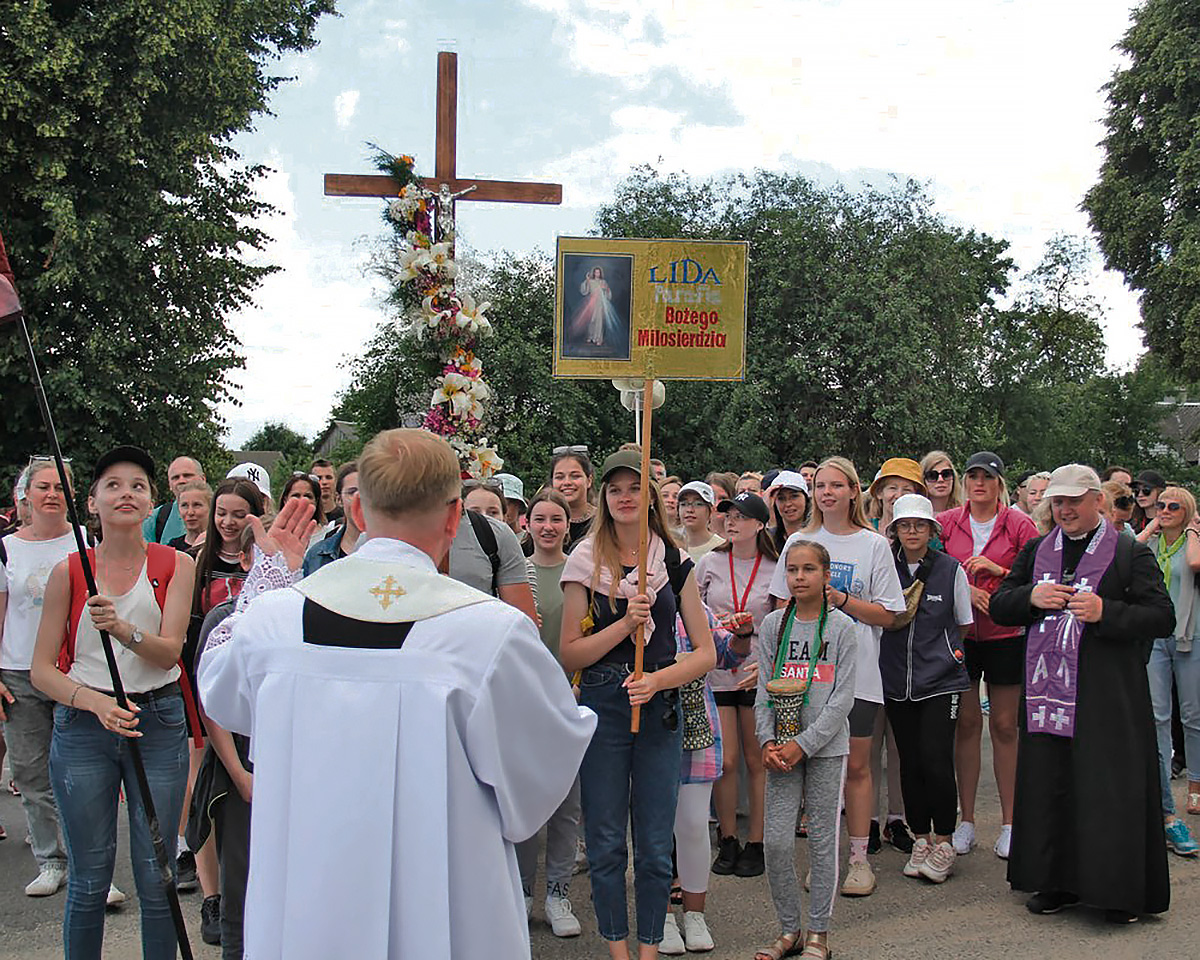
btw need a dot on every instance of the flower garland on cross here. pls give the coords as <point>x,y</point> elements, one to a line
<point>442,324</point>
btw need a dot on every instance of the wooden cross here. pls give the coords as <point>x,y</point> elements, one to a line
<point>379,185</point>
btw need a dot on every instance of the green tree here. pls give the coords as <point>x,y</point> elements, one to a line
<point>874,331</point>
<point>297,451</point>
<point>1145,208</point>
<point>128,214</point>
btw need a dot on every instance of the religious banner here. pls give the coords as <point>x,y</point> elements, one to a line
<point>667,309</point>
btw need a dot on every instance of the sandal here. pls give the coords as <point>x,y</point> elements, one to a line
<point>676,895</point>
<point>785,945</point>
<point>816,947</point>
<point>1193,804</point>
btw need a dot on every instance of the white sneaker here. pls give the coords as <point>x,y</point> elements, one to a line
<point>562,921</point>
<point>672,942</point>
<point>940,863</point>
<point>48,881</point>
<point>115,896</point>
<point>860,880</point>
<point>964,837</point>
<point>916,859</point>
<point>695,932</point>
<point>1004,842</point>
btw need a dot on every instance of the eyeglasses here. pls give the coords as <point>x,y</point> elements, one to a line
<point>911,526</point>
<point>1123,503</point>
<point>932,476</point>
<point>1169,505</point>
<point>577,448</point>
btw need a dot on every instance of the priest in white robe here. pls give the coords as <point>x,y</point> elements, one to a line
<point>406,731</point>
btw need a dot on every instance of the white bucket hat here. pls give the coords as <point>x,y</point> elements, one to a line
<point>913,506</point>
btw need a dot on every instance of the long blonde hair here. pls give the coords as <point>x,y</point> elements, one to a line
<point>857,516</point>
<point>956,491</point>
<point>605,548</point>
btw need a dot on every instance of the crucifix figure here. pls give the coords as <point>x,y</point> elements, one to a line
<point>445,182</point>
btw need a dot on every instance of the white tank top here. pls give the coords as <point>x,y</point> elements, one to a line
<point>140,607</point>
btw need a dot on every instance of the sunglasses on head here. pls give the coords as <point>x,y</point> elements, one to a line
<point>300,473</point>
<point>492,485</point>
<point>577,448</point>
<point>933,476</point>
<point>1169,505</point>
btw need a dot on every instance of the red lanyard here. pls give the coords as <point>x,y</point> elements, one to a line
<point>739,607</point>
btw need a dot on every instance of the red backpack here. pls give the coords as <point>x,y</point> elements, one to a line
<point>160,567</point>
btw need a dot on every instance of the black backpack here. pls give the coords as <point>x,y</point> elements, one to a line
<point>487,540</point>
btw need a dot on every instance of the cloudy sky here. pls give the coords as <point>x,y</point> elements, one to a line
<point>996,104</point>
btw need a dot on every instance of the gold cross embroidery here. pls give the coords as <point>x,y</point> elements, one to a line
<point>387,590</point>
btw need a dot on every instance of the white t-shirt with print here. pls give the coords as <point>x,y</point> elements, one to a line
<point>861,565</point>
<point>24,578</point>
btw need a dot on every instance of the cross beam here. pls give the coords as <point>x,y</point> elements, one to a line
<point>445,167</point>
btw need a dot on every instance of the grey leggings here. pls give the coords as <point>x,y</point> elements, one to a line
<point>817,782</point>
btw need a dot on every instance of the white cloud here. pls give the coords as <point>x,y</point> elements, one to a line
<point>307,318</point>
<point>344,105</point>
<point>996,103</point>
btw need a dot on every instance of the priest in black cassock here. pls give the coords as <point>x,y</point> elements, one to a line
<point>1088,824</point>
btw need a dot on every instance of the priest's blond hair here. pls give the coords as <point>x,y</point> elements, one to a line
<point>404,471</point>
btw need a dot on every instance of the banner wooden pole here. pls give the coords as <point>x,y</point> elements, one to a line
<point>643,540</point>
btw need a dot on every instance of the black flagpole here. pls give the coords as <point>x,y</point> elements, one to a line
<point>8,301</point>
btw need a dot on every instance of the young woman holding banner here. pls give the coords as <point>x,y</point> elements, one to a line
<point>625,775</point>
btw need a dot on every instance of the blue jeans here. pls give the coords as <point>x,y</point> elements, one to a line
<point>1167,662</point>
<point>629,776</point>
<point>88,766</point>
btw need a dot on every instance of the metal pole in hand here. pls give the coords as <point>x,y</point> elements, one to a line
<point>639,643</point>
<point>8,300</point>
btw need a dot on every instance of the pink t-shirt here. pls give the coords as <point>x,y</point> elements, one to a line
<point>712,577</point>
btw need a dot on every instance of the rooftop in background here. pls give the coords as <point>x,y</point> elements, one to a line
<point>335,433</point>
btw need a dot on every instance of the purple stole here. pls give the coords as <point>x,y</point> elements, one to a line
<point>1052,644</point>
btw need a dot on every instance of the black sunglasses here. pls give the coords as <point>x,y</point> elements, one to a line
<point>1123,503</point>
<point>935,475</point>
<point>1141,489</point>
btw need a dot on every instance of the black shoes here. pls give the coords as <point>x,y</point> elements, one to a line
<point>751,861</point>
<point>1120,916</point>
<point>728,851</point>
<point>1051,901</point>
<point>185,871</point>
<point>210,920</point>
<point>874,844</point>
<point>896,833</point>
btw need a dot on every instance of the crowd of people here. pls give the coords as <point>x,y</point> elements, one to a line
<point>812,639</point>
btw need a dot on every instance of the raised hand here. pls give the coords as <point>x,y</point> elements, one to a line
<point>289,534</point>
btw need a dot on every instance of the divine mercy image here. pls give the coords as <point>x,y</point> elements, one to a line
<point>597,306</point>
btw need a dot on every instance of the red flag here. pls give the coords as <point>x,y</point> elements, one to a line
<point>10,303</point>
